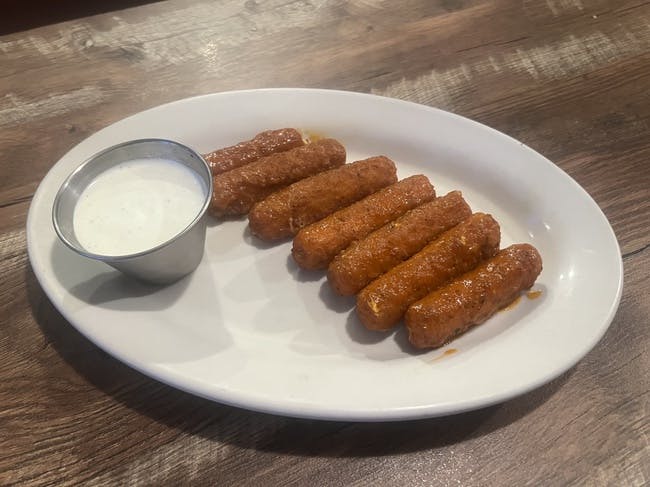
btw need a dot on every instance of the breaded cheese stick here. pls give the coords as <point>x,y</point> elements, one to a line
<point>236,191</point>
<point>382,303</point>
<point>473,297</point>
<point>262,145</point>
<point>317,244</point>
<point>284,213</point>
<point>380,251</point>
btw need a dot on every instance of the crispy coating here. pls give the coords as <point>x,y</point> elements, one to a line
<point>382,303</point>
<point>380,251</point>
<point>262,145</point>
<point>236,191</point>
<point>472,298</point>
<point>284,213</point>
<point>317,244</point>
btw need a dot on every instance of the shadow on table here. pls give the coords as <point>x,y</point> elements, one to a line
<point>265,432</point>
<point>19,15</point>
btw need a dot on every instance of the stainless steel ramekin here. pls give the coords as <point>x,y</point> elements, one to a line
<point>164,263</point>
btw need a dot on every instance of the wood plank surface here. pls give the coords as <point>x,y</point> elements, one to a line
<point>569,78</point>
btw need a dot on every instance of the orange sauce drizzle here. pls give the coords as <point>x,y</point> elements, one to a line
<point>312,136</point>
<point>512,305</point>
<point>446,353</point>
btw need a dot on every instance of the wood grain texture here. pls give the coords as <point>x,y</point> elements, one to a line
<point>570,78</point>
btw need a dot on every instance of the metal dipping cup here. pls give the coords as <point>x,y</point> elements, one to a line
<point>164,263</point>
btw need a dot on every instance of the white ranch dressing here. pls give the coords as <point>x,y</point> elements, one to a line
<point>137,205</point>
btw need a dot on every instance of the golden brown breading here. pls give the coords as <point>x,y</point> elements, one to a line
<point>473,297</point>
<point>262,145</point>
<point>380,251</point>
<point>236,191</point>
<point>284,213</point>
<point>382,303</point>
<point>317,244</point>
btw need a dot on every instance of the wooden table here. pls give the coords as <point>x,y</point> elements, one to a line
<point>570,78</point>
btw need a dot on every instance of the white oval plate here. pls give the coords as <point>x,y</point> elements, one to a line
<point>251,330</point>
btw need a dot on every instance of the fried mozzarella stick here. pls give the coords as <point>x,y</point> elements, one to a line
<point>317,244</point>
<point>262,145</point>
<point>382,303</point>
<point>472,298</point>
<point>380,251</point>
<point>284,213</point>
<point>236,191</point>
